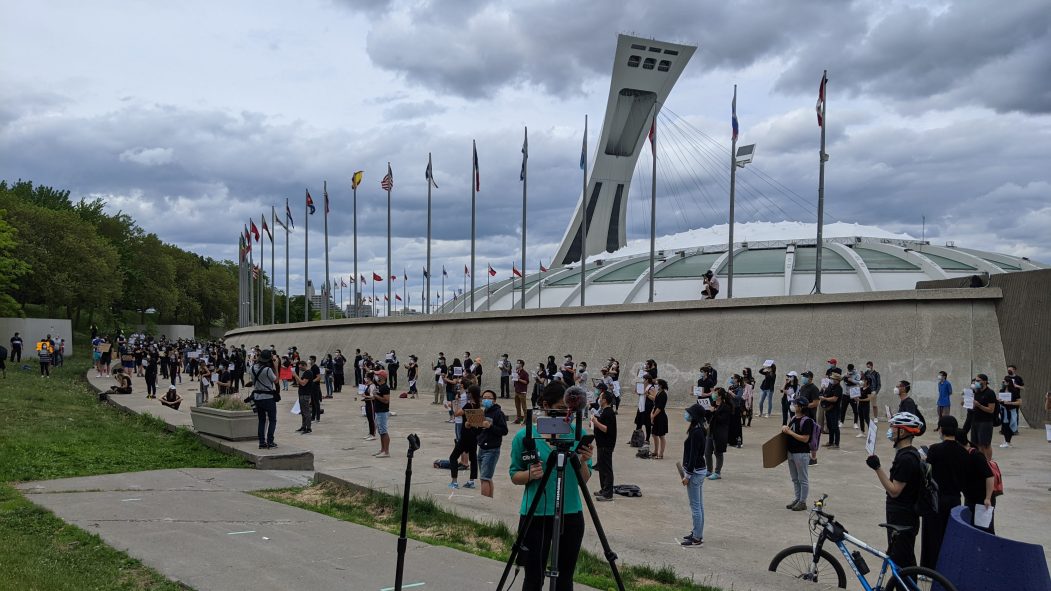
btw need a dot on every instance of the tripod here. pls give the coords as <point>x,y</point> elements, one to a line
<point>556,463</point>
<point>414,444</point>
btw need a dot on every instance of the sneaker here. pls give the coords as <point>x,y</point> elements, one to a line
<point>454,485</point>
<point>715,476</point>
<point>855,425</point>
<point>263,446</point>
<point>383,455</point>
<point>692,542</point>
<point>604,498</point>
<point>469,484</point>
<point>370,438</point>
<point>1005,444</point>
<point>299,430</point>
<point>800,506</point>
<point>812,462</point>
<point>792,504</point>
<point>859,435</point>
<point>271,445</point>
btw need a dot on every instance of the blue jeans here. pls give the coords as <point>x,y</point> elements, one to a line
<point>487,459</point>
<point>767,398</point>
<point>267,411</point>
<point>381,422</point>
<point>798,466</point>
<point>693,490</point>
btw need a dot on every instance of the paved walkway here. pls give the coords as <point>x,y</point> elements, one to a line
<point>199,527</point>
<point>746,523</point>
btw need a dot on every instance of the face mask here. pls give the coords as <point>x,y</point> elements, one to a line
<point>897,391</point>
<point>687,416</point>
<point>714,397</point>
<point>487,403</point>
<point>976,385</point>
<point>794,408</point>
<point>830,366</point>
<point>890,434</point>
<point>805,380</point>
<point>941,378</point>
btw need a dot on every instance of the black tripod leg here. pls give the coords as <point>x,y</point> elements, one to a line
<point>611,556</point>
<point>524,526</point>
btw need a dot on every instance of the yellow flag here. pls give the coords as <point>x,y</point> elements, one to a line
<point>355,180</point>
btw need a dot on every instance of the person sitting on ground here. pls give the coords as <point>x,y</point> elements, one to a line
<point>171,399</point>
<point>711,286</point>
<point>123,382</point>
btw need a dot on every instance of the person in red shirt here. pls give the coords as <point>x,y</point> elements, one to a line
<point>521,386</point>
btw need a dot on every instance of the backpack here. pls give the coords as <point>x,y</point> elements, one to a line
<point>927,501</point>
<point>815,434</point>
<point>628,490</point>
<point>998,479</point>
<point>638,438</point>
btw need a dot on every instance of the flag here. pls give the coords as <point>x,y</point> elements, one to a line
<point>429,175</point>
<point>255,271</point>
<point>444,272</point>
<point>653,135</point>
<point>393,277</point>
<point>397,297</point>
<point>733,116</point>
<point>241,245</point>
<point>543,269</point>
<point>355,179</point>
<point>255,231</point>
<point>326,200</point>
<point>363,279</point>
<point>310,203</point>
<point>525,155</point>
<point>466,271</point>
<point>342,283</point>
<point>515,271</point>
<point>821,100</point>
<point>266,229</point>
<point>492,271</point>
<point>279,223</point>
<point>288,215</point>
<point>477,178</point>
<point>388,180</point>
<point>386,299</point>
<point>248,240</point>
<point>584,146</point>
<point>377,276</point>
<point>425,273</point>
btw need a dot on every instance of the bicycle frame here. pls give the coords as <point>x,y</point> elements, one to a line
<point>888,565</point>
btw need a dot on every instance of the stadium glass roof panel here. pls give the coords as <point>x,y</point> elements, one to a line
<point>628,272</point>
<point>1004,262</point>
<point>877,260</point>
<point>574,277</point>
<point>948,264</point>
<point>758,262</point>
<point>692,266</point>
<point>806,260</point>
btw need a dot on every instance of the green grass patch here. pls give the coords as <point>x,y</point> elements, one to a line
<point>433,524</point>
<point>56,428</point>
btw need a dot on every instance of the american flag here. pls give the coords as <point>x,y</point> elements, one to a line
<point>388,180</point>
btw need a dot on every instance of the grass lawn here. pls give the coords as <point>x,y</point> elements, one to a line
<point>432,524</point>
<point>55,428</point>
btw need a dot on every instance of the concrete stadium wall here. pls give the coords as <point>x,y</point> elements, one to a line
<point>32,330</point>
<point>908,335</point>
<point>172,331</point>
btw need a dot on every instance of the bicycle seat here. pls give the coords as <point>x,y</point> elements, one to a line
<point>896,529</point>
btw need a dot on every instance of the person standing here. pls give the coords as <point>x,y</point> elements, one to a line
<point>16,348</point>
<point>830,402</point>
<point>904,485</point>
<point>604,425</point>
<point>719,417</point>
<point>984,415</point>
<point>979,485</point>
<point>264,392</point>
<point>381,405</point>
<point>645,407</point>
<point>659,419</point>
<point>412,374</point>
<point>875,383</point>
<point>315,391</point>
<point>392,368</point>
<point>439,368</point>
<point>504,366</point>
<point>339,363</point>
<point>694,472</point>
<point>466,438</point>
<point>521,386</point>
<point>809,390</point>
<point>540,379</point>
<point>766,387</point>
<point>305,380</point>
<point>44,351</point>
<point>788,394</point>
<point>864,406</point>
<point>851,383</point>
<point>948,461</point>
<point>944,395</point>
<point>1014,385</point>
<point>797,434</point>
<point>357,368</point>
<point>327,367</point>
<point>490,438</point>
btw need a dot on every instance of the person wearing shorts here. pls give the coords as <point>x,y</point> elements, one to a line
<point>985,403</point>
<point>381,406</point>
<point>489,439</point>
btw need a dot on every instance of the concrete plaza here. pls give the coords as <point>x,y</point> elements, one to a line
<point>746,522</point>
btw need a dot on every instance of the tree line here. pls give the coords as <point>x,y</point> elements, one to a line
<point>60,258</point>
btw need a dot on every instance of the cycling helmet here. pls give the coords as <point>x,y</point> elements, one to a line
<point>907,421</point>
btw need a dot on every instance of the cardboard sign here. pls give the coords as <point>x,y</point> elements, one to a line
<point>775,451</point>
<point>639,388</point>
<point>104,347</point>
<point>870,440</point>
<point>475,417</point>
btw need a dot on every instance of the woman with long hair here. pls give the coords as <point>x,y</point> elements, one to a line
<point>540,380</point>
<point>645,407</point>
<point>694,470</point>
<point>720,415</point>
<point>788,393</point>
<point>466,439</point>
<point>659,419</point>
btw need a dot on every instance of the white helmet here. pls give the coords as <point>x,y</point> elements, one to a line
<point>907,421</point>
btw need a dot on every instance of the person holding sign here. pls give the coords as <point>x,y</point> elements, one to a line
<point>984,415</point>
<point>467,442</point>
<point>864,399</point>
<point>798,432</point>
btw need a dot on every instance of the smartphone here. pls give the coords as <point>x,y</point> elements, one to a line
<point>586,440</point>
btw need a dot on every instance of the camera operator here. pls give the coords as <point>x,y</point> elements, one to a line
<point>527,472</point>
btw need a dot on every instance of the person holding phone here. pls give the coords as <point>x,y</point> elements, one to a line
<point>604,423</point>
<point>694,471</point>
<point>527,469</point>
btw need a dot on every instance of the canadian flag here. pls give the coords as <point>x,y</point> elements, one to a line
<point>397,297</point>
<point>377,277</point>
<point>466,271</point>
<point>515,271</point>
<point>492,271</point>
<point>386,299</point>
<point>543,269</point>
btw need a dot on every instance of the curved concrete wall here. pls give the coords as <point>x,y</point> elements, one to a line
<point>908,335</point>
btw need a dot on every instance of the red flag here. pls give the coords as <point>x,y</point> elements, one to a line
<point>377,277</point>
<point>492,271</point>
<point>310,203</point>
<point>269,234</point>
<point>515,271</point>
<point>466,271</point>
<point>821,100</point>
<point>255,231</point>
<point>397,297</point>
<point>386,299</point>
<point>653,136</point>
<point>543,269</point>
<point>393,277</point>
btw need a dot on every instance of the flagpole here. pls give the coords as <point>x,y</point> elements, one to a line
<point>488,292</point>
<point>306,262</point>
<point>427,276</point>
<point>251,285</point>
<point>733,182</point>
<point>328,286</point>
<point>465,280</point>
<point>474,187</point>
<point>443,287</point>
<point>525,182</point>
<point>584,211</point>
<point>653,201</point>
<point>822,157</point>
<point>273,230</point>
<point>404,293</point>
<point>288,294</point>
<point>388,248</point>
<point>540,287</point>
<point>355,216</point>
<point>240,282</point>
<point>374,295</point>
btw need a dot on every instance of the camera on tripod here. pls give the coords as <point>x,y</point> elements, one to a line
<point>551,424</point>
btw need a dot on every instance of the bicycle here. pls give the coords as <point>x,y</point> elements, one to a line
<point>813,563</point>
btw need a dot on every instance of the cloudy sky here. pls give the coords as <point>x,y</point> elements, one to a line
<point>194,116</point>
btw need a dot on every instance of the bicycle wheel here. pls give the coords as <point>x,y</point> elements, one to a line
<point>920,578</point>
<point>797,562</point>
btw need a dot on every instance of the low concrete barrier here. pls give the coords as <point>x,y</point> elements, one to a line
<point>978,561</point>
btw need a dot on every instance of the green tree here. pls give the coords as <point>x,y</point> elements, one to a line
<point>11,269</point>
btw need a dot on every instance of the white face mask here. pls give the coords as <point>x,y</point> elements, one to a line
<point>897,391</point>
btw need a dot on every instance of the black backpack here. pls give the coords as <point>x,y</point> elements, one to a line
<point>927,502</point>
<point>628,490</point>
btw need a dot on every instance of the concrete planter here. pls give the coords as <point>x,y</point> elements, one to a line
<point>234,425</point>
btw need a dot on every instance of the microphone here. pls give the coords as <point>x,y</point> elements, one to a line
<point>575,398</point>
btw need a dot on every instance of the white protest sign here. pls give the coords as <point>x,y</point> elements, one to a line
<point>870,440</point>
<point>698,391</point>
<point>968,398</point>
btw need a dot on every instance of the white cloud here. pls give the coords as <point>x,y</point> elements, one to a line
<point>148,156</point>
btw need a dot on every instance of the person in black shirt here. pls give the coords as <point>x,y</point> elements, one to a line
<point>798,432</point>
<point>769,373</point>
<point>659,420</point>
<point>490,437</point>
<point>830,402</point>
<point>694,471</point>
<point>903,486</point>
<point>948,461</point>
<point>468,441</point>
<point>604,425</point>
<point>305,380</point>
<point>339,362</point>
<point>1014,384</point>
<point>906,404</point>
<point>984,414</point>
<point>719,418</point>
<point>978,484</point>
